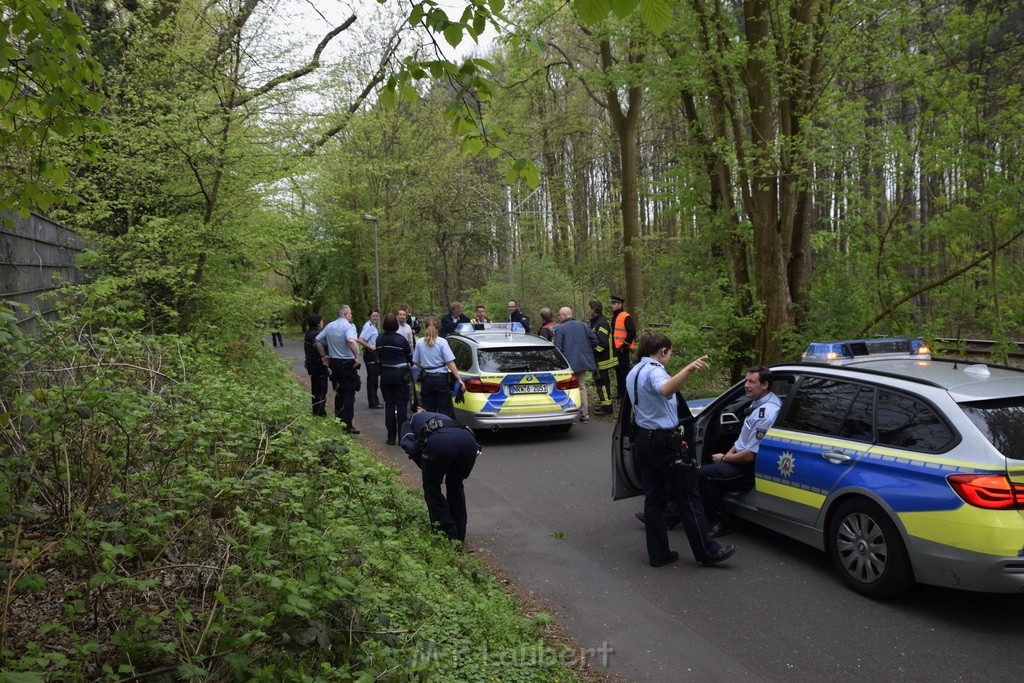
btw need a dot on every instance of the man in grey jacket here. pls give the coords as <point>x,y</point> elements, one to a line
<point>576,341</point>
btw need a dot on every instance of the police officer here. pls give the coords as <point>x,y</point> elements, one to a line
<point>734,471</point>
<point>340,337</point>
<point>657,444</point>
<point>319,376</point>
<point>445,451</point>
<point>433,355</point>
<point>395,356</point>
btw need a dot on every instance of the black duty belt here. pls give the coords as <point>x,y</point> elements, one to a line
<point>401,365</point>
<point>648,433</point>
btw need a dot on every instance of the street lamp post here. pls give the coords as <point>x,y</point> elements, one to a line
<point>376,254</point>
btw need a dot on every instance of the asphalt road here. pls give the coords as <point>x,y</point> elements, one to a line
<point>540,507</point>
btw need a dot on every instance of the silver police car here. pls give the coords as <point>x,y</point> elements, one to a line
<point>902,467</point>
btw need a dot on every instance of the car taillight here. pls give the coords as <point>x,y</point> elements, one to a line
<point>477,386</point>
<point>990,491</point>
<point>571,383</point>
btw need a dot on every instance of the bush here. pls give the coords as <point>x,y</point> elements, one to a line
<point>169,507</point>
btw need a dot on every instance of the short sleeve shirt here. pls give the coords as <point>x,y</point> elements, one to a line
<point>762,416</point>
<point>335,337</point>
<point>433,358</point>
<point>652,410</point>
<point>369,333</point>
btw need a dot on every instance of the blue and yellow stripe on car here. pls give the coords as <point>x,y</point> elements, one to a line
<point>505,400</point>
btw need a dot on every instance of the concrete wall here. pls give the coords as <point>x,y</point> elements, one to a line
<point>36,255</point>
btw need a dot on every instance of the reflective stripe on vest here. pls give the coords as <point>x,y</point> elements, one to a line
<point>619,333</point>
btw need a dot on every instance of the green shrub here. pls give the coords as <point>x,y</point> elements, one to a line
<point>170,506</point>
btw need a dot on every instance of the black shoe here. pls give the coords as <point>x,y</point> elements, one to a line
<point>379,406</point>
<point>672,557</point>
<point>668,525</point>
<point>723,554</point>
<point>351,430</point>
<point>390,442</point>
<point>720,529</point>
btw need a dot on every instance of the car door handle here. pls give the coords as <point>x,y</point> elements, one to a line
<point>837,457</point>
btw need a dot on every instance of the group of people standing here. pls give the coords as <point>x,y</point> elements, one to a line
<point>445,451</point>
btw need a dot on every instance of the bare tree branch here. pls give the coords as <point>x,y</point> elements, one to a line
<point>941,281</point>
<point>313,65</point>
<point>376,80</point>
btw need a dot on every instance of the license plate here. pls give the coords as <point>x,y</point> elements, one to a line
<point>529,388</point>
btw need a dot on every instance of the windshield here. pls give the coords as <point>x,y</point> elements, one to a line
<point>526,359</point>
<point>1002,423</point>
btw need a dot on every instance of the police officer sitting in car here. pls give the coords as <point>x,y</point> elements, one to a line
<point>734,471</point>
<point>445,451</point>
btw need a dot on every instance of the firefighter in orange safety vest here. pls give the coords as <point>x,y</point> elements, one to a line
<point>623,339</point>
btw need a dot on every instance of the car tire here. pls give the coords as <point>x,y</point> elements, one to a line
<point>562,428</point>
<point>868,550</point>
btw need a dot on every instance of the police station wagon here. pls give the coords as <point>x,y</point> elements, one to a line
<point>902,467</point>
<point>513,379</point>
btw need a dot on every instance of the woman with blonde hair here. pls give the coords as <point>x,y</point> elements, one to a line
<point>435,358</point>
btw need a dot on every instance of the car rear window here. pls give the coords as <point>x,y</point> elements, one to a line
<point>1002,423</point>
<point>525,359</point>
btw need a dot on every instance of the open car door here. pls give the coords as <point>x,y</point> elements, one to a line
<point>625,473</point>
<point>626,482</point>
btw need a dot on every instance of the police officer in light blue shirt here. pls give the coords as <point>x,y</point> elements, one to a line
<point>368,340</point>
<point>339,350</point>
<point>657,444</point>
<point>435,358</point>
<point>734,471</point>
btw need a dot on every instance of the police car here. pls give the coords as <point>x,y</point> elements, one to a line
<point>902,467</point>
<point>513,379</point>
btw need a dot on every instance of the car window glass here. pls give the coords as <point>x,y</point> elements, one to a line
<point>857,423</point>
<point>819,406</point>
<point>524,359</point>
<point>463,355</point>
<point>1002,423</point>
<point>905,422</point>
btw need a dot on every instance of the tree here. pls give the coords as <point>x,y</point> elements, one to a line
<point>48,94</point>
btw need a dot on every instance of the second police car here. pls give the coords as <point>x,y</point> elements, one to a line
<point>512,379</point>
<point>902,467</point>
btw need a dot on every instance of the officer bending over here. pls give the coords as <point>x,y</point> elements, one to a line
<point>445,451</point>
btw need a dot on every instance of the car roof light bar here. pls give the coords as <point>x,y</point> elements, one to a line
<point>470,328</point>
<point>854,349</point>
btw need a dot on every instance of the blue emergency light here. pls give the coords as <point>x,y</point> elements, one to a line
<point>469,328</point>
<point>851,349</point>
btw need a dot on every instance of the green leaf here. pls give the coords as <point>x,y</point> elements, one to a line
<point>453,34</point>
<point>657,15</point>
<point>591,11</point>
<point>622,8</point>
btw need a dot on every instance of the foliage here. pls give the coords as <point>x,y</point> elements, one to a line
<point>170,508</point>
<point>48,93</point>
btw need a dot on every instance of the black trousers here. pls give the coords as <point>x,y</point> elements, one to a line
<point>394,386</point>
<point>345,380</point>
<point>657,494</point>
<point>448,457</point>
<point>372,378</point>
<point>715,479</point>
<point>436,394</point>
<point>621,370</point>
<point>318,383</point>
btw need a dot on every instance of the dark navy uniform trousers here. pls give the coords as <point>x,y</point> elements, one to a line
<point>448,456</point>
<point>657,494</point>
